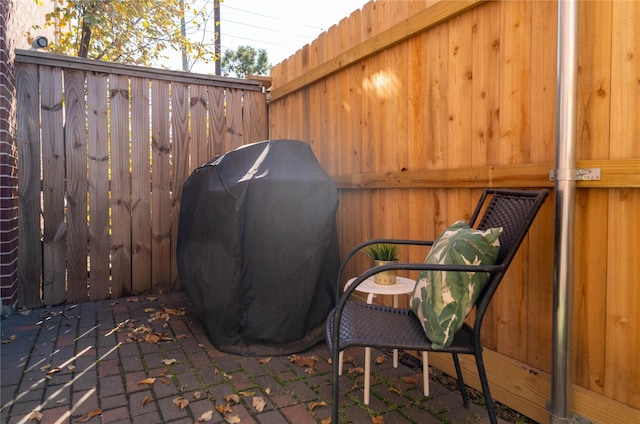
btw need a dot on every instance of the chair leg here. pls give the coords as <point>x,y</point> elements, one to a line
<point>485,388</point>
<point>461,386</point>
<point>335,388</point>
<point>425,372</point>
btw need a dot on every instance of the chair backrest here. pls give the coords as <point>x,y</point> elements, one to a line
<point>514,211</point>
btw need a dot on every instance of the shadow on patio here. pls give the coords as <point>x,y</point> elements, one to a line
<point>147,359</point>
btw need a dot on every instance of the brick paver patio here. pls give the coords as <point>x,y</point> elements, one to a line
<point>146,359</point>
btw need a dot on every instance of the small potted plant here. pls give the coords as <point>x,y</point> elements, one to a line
<point>380,254</point>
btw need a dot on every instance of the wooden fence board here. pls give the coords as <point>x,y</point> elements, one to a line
<point>589,310</point>
<point>98,163</point>
<point>140,187</point>
<point>160,190</point>
<point>76,154</point>
<point>28,140</point>
<point>234,137</point>
<point>120,186</point>
<point>54,235</point>
<point>217,125</point>
<point>198,111</point>
<point>180,107</point>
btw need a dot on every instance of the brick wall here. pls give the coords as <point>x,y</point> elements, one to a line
<point>13,26</point>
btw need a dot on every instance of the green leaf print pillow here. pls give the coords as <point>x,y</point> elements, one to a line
<point>443,299</point>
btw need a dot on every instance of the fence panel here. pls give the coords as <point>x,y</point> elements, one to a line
<point>117,144</point>
<point>415,118</point>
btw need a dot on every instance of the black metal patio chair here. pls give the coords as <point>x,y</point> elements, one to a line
<point>378,326</point>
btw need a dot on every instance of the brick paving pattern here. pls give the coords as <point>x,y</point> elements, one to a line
<point>147,359</point>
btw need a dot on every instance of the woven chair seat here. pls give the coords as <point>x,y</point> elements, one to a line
<point>380,326</point>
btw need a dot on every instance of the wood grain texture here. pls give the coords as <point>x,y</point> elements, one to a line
<point>54,240</point>
<point>140,187</point>
<point>120,186</point>
<point>99,230</point>
<point>76,167</point>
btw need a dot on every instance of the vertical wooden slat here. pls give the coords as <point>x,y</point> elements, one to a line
<point>198,110</point>
<point>257,116</point>
<point>234,137</point>
<point>29,249</point>
<point>515,45</point>
<point>622,380</point>
<point>486,85</point>
<point>160,190</point>
<point>120,186</point>
<point>180,145</point>
<point>593,126</point>
<point>76,158</point>
<point>140,187</point>
<point>217,124</point>
<point>539,278</point>
<point>98,149</point>
<point>54,247</point>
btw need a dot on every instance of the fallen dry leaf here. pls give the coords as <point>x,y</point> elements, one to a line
<point>410,380</point>
<point>149,310</point>
<point>265,360</point>
<point>232,398</point>
<point>268,390</point>
<point>132,299</point>
<point>396,391</point>
<point>180,402</point>
<point>313,405</point>
<point>151,298</point>
<point>71,368</point>
<point>197,395</point>
<point>303,361</point>
<point>35,416</point>
<point>326,421</point>
<point>164,381</point>
<point>381,359</point>
<point>348,359</point>
<point>10,339</point>
<point>148,381</point>
<point>169,361</point>
<point>309,371</point>
<point>355,370</point>
<point>247,393</point>
<point>259,403</point>
<point>152,338</point>
<point>233,419</point>
<point>377,420</point>
<point>223,409</point>
<point>164,372</point>
<point>146,400</point>
<point>206,416</point>
<point>90,415</point>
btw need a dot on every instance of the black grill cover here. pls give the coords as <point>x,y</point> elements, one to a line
<point>257,248</point>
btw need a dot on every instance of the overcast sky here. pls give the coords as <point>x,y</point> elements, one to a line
<point>281,27</point>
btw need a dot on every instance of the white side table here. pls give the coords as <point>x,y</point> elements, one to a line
<point>403,286</point>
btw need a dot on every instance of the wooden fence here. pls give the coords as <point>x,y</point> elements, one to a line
<point>103,152</point>
<point>413,106</point>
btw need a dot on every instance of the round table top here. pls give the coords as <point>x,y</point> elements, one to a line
<point>402,286</point>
